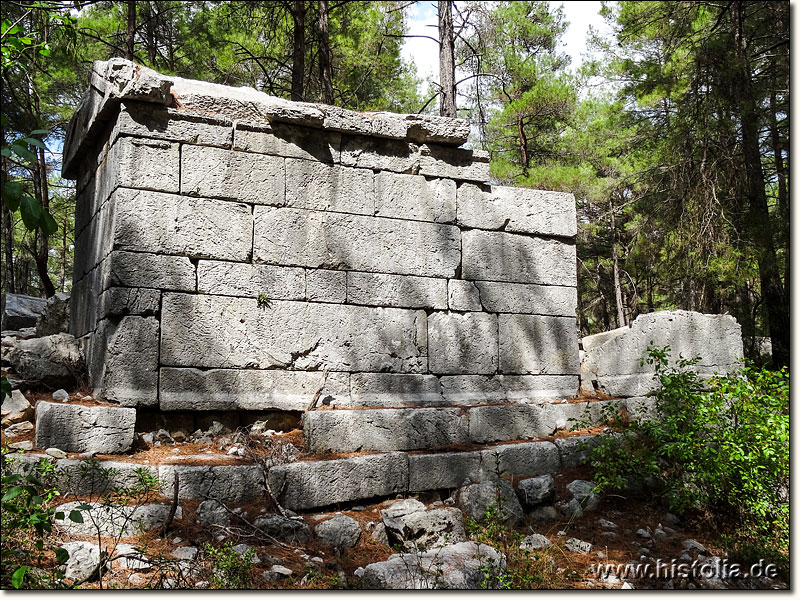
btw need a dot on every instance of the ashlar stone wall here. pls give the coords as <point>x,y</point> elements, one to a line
<point>236,251</point>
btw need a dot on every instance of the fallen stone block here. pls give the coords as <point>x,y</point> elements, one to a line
<point>477,500</point>
<point>54,361</point>
<point>423,529</point>
<point>340,531</point>
<point>535,491</point>
<point>16,408</point>
<point>76,428</point>
<point>55,316</point>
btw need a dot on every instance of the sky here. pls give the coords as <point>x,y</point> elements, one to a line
<point>424,53</point>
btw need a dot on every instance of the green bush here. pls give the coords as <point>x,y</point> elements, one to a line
<point>230,570</point>
<point>720,446</point>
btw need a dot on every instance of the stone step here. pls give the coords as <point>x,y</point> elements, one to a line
<point>315,484</point>
<point>390,429</point>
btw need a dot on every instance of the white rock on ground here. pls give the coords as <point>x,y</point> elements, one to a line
<point>339,531</point>
<point>84,558</point>
<point>16,408</point>
<point>414,528</point>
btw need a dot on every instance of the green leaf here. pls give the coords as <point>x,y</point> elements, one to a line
<point>84,506</point>
<point>75,516</point>
<point>62,555</point>
<point>13,190</point>
<point>18,577</point>
<point>12,493</point>
<point>23,152</point>
<point>31,212</point>
<point>40,132</point>
<point>35,142</point>
<point>59,516</point>
<point>48,223</point>
<point>6,151</point>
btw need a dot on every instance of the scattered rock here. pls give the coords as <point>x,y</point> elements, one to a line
<point>340,532</point>
<point>671,519</point>
<point>606,524</point>
<point>179,436</point>
<point>25,445</point>
<point>131,558</point>
<point>464,566</point>
<point>571,509</point>
<point>16,408</point>
<point>283,528</point>
<point>55,361</point>
<point>60,395</point>
<point>242,549</point>
<point>84,558</point>
<point>610,536</point>
<point>476,499</point>
<point>55,453</point>
<point>55,316</point>
<point>660,535</point>
<point>281,570</point>
<point>20,311</point>
<point>163,436</point>
<point>379,533</point>
<point>544,514</point>
<point>583,492</point>
<point>425,528</point>
<point>18,429</point>
<point>577,546</point>
<point>211,512</point>
<point>643,533</point>
<point>627,586</point>
<point>535,541</point>
<point>217,428</point>
<point>185,553</point>
<point>693,546</point>
<point>536,490</point>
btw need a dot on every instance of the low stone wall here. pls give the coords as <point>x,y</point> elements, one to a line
<point>232,247</point>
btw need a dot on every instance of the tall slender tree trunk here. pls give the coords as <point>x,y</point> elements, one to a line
<point>298,12</point>
<point>9,279</point>
<point>130,35</point>
<point>42,244</point>
<point>325,69</point>
<point>447,64</point>
<point>621,321</point>
<point>771,286</point>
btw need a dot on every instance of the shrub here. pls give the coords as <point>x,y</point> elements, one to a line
<point>230,570</point>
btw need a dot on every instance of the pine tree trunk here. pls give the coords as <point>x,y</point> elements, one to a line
<point>621,321</point>
<point>447,65</point>
<point>130,35</point>
<point>298,49</point>
<point>325,70</point>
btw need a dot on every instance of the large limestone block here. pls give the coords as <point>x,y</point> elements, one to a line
<point>219,173</point>
<point>315,186</point>
<point>233,389</point>
<point>394,390</point>
<point>517,209</point>
<point>614,360</point>
<point>281,139</point>
<point>216,331</point>
<point>354,242</point>
<point>21,311</point>
<point>140,163</point>
<point>463,295</point>
<point>446,470</point>
<point>454,163</point>
<point>538,345</point>
<point>305,485</point>
<point>75,478</point>
<point>500,256</point>
<point>55,316</point>
<point>195,227</point>
<point>379,154</point>
<point>526,298</point>
<point>525,460</point>
<point>403,291</point>
<point>383,429</point>
<point>414,197</point>
<point>118,302</point>
<point>140,269</point>
<point>326,286</point>
<point>462,343</point>
<point>226,483</point>
<point>140,119</point>
<point>76,428</point>
<point>124,361</point>
<point>245,279</point>
<point>481,389</point>
<point>54,361</point>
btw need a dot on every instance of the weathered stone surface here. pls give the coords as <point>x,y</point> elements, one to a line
<point>462,566</point>
<point>578,546</point>
<point>75,476</point>
<point>583,492</point>
<point>386,429</point>
<point>454,163</point>
<point>538,345</point>
<point>442,471</point>
<point>536,490</point>
<point>218,173</point>
<point>138,269</point>
<point>124,361</point>
<point>641,408</point>
<point>84,558</point>
<point>323,187</point>
<point>226,483</point>
<point>326,286</point>
<point>574,450</point>
<point>76,428</point>
<point>252,281</point>
<point>21,311</point>
<point>379,154</point>
<point>463,295</point>
<point>393,390</point>
<point>462,343</point>
<point>195,227</point>
<point>336,241</point>
<point>286,140</point>
<point>55,316</point>
<point>527,298</point>
<point>287,529</point>
<point>54,361</point>
<point>143,164</point>
<point>340,531</point>
<point>147,120</point>
<point>210,513</point>
<point>480,389</point>
<point>117,302</point>
<point>16,408</point>
<point>113,520</point>
<point>500,256</point>
<point>476,499</point>
<point>614,361</point>
<point>414,197</point>
<point>378,289</point>
<point>214,331</point>
<point>528,459</point>
<point>305,485</point>
<point>517,209</point>
<point>535,541</point>
<point>232,389</point>
<point>425,529</point>
<point>18,429</point>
